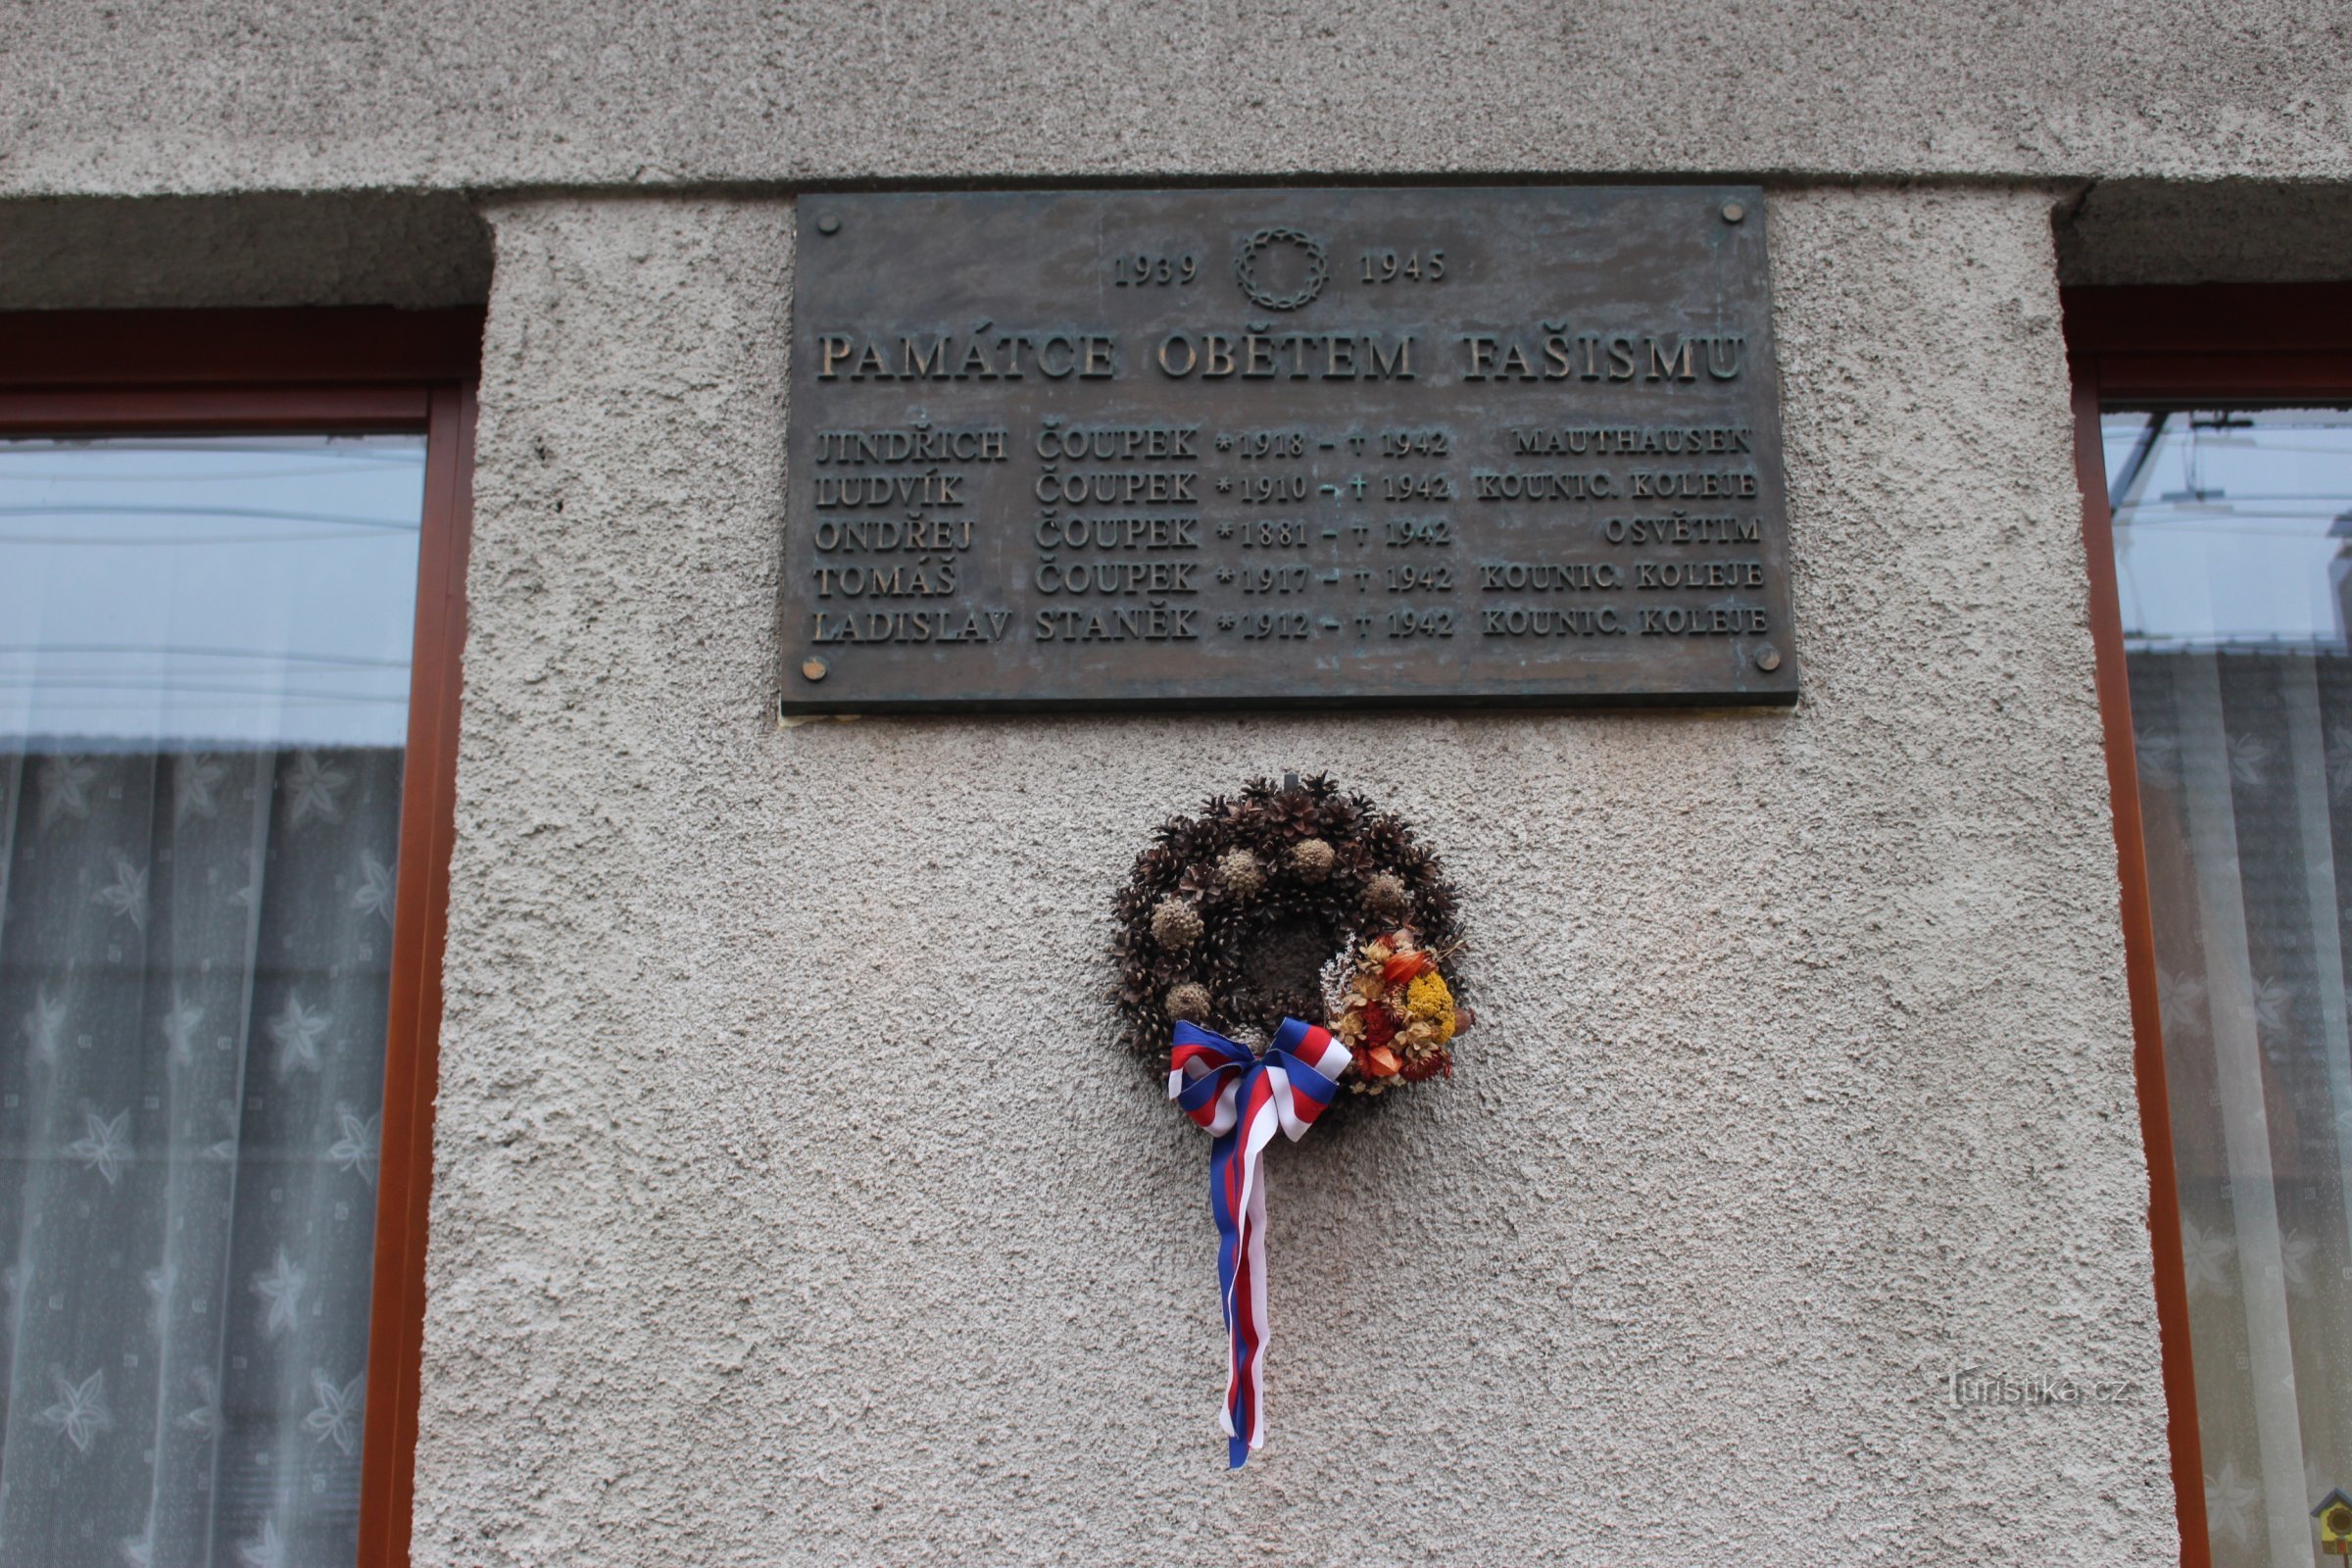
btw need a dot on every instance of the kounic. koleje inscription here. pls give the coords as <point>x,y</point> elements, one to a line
<point>1310,448</point>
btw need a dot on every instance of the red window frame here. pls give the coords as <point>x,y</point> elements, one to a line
<point>381,371</point>
<point>2196,344</point>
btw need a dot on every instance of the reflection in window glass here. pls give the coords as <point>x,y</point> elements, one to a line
<point>2230,535</point>
<point>160,593</point>
<point>203,672</point>
<point>2231,527</point>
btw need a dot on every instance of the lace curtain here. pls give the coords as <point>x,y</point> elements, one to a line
<point>2245,785</point>
<point>195,956</point>
<point>2231,530</point>
<point>203,682</point>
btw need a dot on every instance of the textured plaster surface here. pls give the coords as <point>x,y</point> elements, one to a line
<point>142,96</point>
<point>2229,231</point>
<point>116,253</point>
<point>791,1207</point>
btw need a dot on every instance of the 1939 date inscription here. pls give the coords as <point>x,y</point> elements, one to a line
<point>1284,448</point>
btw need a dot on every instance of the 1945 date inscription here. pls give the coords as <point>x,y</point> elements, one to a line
<point>1284,448</point>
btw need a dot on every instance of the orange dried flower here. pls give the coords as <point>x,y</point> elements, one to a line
<point>1403,967</point>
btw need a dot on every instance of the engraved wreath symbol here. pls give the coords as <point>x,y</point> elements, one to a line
<point>1244,268</point>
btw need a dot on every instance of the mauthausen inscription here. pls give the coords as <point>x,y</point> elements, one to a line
<point>1284,448</point>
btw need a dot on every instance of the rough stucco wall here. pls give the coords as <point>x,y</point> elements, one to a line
<point>115,254</point>
<point>203,95</point>
<point>2229,232</point>
<point>791,1206</point>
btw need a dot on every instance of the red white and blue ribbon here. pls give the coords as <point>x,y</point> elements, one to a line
<point>1241,1100</point>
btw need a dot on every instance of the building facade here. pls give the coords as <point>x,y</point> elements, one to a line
<point>789,1202</point>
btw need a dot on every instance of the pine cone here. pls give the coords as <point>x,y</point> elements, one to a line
<point>1239,874</point>
<point>1312,859</point>
<point>1189,1003</point>
<point>1175,924</point>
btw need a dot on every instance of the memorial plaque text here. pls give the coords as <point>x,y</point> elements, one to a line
<point>1298,447</point>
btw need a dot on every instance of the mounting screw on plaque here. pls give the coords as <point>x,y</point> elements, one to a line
<point>1768,659</point>
<point>828,224</point>
<point>1732,211</point>
<point>814,668</point>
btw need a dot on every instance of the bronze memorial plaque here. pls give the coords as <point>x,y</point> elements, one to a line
<point>1284,448</point>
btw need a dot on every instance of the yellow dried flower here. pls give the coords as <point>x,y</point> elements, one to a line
<point>1429,1001</point>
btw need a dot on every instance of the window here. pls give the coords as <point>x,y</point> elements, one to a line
<point>231,549</point>
<point>2214,440</point>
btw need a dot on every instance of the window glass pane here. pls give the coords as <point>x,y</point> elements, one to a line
<point>2230,535</point>
<point>255,590</point>
<point>2121,435</point>
<point>2230,528</point>
<point>204,672</point>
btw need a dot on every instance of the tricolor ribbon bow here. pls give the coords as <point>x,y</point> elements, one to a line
<point>1239,1099</point>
